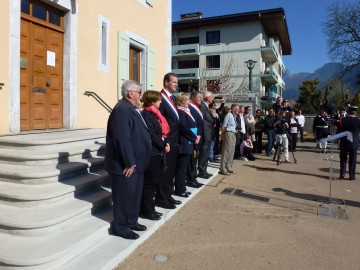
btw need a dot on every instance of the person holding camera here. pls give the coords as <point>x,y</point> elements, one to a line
<point>246,149</point>
<point>270,119</point>
<point>281,138</point>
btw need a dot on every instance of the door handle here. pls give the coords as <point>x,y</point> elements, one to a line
<point>38,90</point>
<point>48,83</point>
<point>1,85</point>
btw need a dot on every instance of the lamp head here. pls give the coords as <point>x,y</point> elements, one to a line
<point>250,63</point>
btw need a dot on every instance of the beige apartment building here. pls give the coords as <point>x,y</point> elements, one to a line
<point>214,53</point>
<point>52,51</point>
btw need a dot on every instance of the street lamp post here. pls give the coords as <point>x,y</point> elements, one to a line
<point>250,65</point>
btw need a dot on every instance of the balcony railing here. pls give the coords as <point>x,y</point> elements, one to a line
<point>270,75</point>
<point>185,50</point>
<point>270,52</point>
<point>187,73</point>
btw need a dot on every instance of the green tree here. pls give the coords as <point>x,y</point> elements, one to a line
<point>310,98</point>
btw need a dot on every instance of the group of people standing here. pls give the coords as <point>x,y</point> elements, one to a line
<point>155,153</point>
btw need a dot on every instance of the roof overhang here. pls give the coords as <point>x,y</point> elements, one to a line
<point>273,21</point>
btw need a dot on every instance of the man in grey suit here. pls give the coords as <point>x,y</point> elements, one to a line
<point>208,133</point>
<point>128,151</point>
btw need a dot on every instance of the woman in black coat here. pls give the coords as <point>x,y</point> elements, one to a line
<point>187,139</point>
<point>159,129</point>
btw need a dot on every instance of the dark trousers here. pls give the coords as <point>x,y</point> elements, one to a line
<point>271,140</point>
<point>166,183</point>
<point>216,144</point>
<point>191,166</point>
<point>258,142</point>
<point>352,161</point>
<point>239,140</point>
<point>180,174</point>
<point>247,153</point>
<point>293,141</point>
<point>301,130</point>
<point>204,156</point>
<point>151,178</point>
<point>126,196</point>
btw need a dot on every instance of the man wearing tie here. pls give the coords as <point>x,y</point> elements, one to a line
<point>128,151</point>
<point>209,135</point>
<point>169,110</point>
<point>195,110</point>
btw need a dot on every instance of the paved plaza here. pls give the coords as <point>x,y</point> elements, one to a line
<point>263,217</point>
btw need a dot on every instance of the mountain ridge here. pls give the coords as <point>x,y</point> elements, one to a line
<point>324,74</point>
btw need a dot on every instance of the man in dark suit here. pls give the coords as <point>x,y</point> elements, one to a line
<point>349,144</point>
<point>195,110</point>
<point>168,109</point>
<point>128,151</point>
<point>209,135</point>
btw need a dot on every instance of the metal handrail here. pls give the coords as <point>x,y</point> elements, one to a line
<point>98,99</point>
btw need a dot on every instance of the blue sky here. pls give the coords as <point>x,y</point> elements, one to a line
<point>304,19</point>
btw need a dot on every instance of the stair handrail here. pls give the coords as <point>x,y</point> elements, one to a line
<point>98,99</point>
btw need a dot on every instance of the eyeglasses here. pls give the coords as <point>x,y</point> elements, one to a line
<point>139,92</point>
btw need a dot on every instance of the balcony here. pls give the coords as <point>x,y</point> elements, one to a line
<point>185,50</point>
<point>272,96</point>
<point>270,52</point>
<point>187,74</point>
<point>271,76</point>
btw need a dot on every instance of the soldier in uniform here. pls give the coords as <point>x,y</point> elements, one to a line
<point>349,144</point>
<point>321,129</point>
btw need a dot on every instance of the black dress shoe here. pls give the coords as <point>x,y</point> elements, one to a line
<point>204,176</point>
<point>165,205</point>
<point>352,178</point>
<point>188,193</point>
<point>192,184</point>
<point>184,195</point>
<point>151,216</point>
<point>173,201</point>
<point>210,174</point>
<point>342,177</point>
<point>158,213</point>
<point>130,235</point>
<point>138,227</point>
<point>197,183</point>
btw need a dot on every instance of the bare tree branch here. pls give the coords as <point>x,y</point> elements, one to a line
<point>343,30</point>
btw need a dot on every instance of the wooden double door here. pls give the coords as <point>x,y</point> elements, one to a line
<point>41,76</point>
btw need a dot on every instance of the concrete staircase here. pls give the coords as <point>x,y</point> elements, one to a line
<point>55,203</point>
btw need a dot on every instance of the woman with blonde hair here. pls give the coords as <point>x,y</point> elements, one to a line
<point>187,138</point>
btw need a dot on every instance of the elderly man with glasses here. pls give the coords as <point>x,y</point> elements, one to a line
<point>128,151</point>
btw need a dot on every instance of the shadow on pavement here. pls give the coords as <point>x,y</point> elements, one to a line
<point>277,169</point>
<point>313,197</point>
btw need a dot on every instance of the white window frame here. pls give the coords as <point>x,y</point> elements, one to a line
<point>104,43</point>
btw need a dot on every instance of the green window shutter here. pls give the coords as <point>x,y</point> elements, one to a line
<point>150,71</point>
<point>123,60</point>
<point>150,2</point>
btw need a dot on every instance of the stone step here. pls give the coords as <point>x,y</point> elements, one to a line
<point>50,138</point>
<point>23,195</point>
<point>52,154</point>
<point>48,173</point>
<point>52,250</point>
<point>45,219</point>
